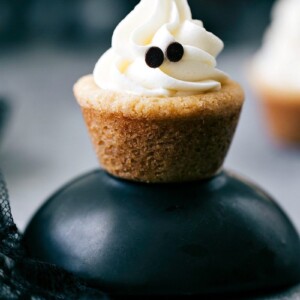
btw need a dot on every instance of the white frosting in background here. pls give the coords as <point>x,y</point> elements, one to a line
<point>278,62</point>
<point>159,23</point>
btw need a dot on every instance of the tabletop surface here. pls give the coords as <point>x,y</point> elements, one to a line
<point>46,143</point>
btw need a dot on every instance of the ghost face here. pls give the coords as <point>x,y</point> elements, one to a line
<point>155,56</point>
<point>158,49</point>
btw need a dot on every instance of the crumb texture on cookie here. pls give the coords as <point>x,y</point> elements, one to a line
<point>89,95</point>
<point>156,139</point>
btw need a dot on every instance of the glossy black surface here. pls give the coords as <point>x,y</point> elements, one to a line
<point>217,236</point>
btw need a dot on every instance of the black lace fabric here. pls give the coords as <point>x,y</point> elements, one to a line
<point>24,278</point>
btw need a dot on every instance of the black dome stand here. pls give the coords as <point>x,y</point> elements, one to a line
<point>218,236</point>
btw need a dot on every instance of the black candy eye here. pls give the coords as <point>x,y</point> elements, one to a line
<point>154,57</point>
<point>175,52</point>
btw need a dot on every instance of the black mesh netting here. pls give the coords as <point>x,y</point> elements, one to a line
<point>24,278</point>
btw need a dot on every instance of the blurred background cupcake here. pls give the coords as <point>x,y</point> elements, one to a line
<point>276,72</point>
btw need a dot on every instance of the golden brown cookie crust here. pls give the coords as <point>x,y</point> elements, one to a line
<point>152,139</point>
<point>89,95</point>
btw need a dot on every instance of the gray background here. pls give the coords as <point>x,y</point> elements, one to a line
<point>46,143</point>
<point>45,46</point>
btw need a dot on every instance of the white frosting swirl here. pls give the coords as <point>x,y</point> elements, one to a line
<point>158,23</point>
<point>278,63</point>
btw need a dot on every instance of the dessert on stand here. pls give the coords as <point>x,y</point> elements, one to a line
<point>162,217</point>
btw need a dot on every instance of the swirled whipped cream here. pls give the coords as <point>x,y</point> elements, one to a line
<point>277,63</point>
<point>159,50</point>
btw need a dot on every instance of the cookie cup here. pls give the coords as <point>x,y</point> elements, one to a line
<point>160,139</point>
